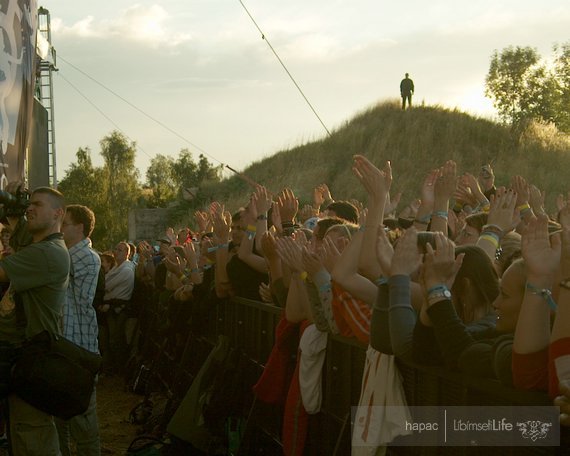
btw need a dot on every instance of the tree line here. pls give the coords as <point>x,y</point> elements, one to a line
<point>115,188</point>
<point>524,86</point>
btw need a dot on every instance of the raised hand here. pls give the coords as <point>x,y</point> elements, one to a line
<point>145,250</point>
<point>428,193</point>
<point>263,200</point>
<point>376,182</point>
<point>202,219</point>
<point>540,252</point>
<point>249,216</point>
<point>392,203</point>
<point>321,195</point>
<point>446,183</point>
<point>502,210</point>
<point>486,177</point>
<point>561,202</point>
<point>300,238</point>
<point>222,221</point>
<point>536,199</point>
<point>290,253</point>
<point>312,262</point>
<point>564,211</point>
<point>384,253</point>
<point>276,218</point>
<point>190,253</point>
<point>407,258</point>
<point>173,263</point>
<point>440,264</point>
<point>521,188</point>
<point>288,205</point>
<point>269,246</point>
<point>331,254</point>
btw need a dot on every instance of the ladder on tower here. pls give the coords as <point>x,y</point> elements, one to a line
<point>44,88</point>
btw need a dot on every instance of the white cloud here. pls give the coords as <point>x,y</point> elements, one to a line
<point>143,24</point>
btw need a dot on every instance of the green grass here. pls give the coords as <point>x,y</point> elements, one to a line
<point>415,141</point>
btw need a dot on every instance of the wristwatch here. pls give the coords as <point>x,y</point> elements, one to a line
<point>438,294</point>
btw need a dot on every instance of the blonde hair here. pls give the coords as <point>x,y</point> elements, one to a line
<point>345,229</point>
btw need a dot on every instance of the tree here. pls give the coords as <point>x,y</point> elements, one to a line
<point>507,82</point>
<point>161,181</point>
<point>82,183</point>
<point>122,187</point>
<point>524,88</point>
<point>562,68</point>
<point>185,169</point>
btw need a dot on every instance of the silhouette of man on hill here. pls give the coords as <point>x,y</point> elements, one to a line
<point>406,91</point>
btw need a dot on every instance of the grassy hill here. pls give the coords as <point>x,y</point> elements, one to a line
<point>415,141</point>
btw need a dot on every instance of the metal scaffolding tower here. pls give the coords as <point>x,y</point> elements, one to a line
<point>44,87</point>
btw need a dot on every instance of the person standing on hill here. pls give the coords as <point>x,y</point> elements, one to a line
<point>406,91</point>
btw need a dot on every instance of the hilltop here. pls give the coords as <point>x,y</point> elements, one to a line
<point>415,141</point>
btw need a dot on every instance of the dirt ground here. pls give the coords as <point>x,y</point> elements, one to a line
<point>113,407</point>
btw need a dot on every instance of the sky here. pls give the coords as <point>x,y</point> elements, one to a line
<point>202,69</point>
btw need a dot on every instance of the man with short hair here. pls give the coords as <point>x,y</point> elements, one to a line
<point>80,321</point>
<point>38,275</point>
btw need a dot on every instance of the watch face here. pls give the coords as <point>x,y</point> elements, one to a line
<point>447,294</point>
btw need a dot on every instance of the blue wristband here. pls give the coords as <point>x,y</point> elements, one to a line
<point>442,214</point>
<point>380,281</point>
<point>544,293</point>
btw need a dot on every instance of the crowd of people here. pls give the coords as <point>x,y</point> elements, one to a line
<point>469,276</point>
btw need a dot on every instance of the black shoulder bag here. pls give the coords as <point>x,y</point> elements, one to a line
<point>53,374</point>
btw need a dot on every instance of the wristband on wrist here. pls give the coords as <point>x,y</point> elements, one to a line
<point>223,246</point>
<point>441,214</point>
<point>194,270</point>
<point>438,293</point>
<point>212,249</point>
<point>380,281</point>
<point>523,207</point>
<point>491,227</point>
<point>438,287</point>
<point>303,276</point>
<point>424,220</point>
<point>490,237</point>
<point>544,293</point>
<point>181,277</point>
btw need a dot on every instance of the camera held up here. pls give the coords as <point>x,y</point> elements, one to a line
<point>13,205</point>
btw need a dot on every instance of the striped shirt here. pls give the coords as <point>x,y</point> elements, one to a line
<point>79,318</point>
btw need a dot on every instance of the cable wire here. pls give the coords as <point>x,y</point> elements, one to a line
<point>263,37</point>
<point>140,110</point>
<point>101,112</point>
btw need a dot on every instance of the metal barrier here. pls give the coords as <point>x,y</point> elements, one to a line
<point>250,326</point>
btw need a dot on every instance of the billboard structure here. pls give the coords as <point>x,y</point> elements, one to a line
<point>18,28</point>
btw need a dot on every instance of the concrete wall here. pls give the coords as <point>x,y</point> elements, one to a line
<point>148,224</point>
